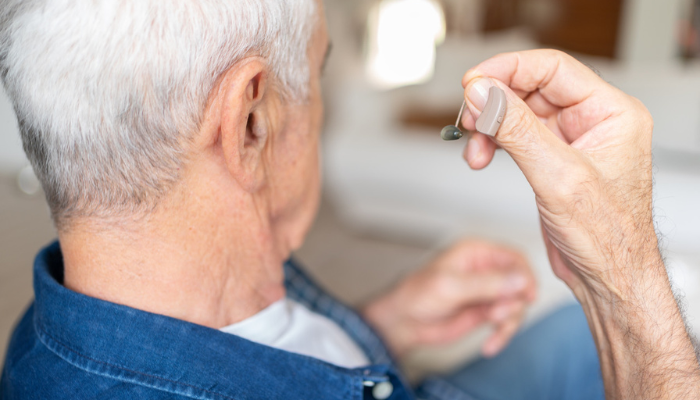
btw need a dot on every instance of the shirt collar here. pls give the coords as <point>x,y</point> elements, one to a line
<point>267,326</point>
<point>173,355</point>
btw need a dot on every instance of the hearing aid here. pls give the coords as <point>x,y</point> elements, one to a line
<point>488,122</point>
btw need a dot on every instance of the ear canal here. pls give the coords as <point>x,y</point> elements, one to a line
<point>250,135</point>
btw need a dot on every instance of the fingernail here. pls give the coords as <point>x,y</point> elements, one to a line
<point>479,93</point>
<point>473,152</point>
<point>514,284</point>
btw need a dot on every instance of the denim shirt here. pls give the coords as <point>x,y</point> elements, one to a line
<point>71,346</point>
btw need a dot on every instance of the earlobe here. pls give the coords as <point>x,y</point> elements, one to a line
<point>244,128</point>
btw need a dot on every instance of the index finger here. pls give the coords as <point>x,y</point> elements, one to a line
<point>560,78</point>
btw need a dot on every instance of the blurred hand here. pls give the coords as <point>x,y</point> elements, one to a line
<point>471,284</point>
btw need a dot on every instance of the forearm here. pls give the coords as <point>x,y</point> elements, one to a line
<point>644,348</point>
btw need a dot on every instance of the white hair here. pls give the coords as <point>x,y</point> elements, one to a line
<point>108,93</point>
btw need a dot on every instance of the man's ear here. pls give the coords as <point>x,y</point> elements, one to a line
<point>245,122</point>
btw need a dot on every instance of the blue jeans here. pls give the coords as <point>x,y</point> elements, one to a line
<point>554,359</point>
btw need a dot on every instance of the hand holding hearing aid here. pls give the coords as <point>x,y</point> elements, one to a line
<point>488,122</point>
<point>584,147</point>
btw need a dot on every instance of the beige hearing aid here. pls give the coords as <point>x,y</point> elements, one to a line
<point>488,122</point>
<point>491,118</point>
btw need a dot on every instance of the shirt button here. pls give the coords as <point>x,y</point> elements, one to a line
<point>382,390</point>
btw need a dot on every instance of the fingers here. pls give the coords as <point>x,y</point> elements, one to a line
<point>480,148</point>
<point>561,79</point>
<point>553,101</point>
<point>479,255</point>
<point>469,261</point>
<point>450,329</point>
<point>483,287</point>
<point>539,153</point>
<point>442,295</point>
<point>505,310</point>
<point>470,274</point>
<point>479,151</point>
<point>500,338</point>
<point>507,317</point>
<point>490,286</point>
<point>540,106</point>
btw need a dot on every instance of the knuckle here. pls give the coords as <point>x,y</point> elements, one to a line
<point>554,53</point>
<point>644,116</point>
<point>555,56</point>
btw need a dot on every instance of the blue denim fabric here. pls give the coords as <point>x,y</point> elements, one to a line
<point>554,359</point>
<point>70,346</point>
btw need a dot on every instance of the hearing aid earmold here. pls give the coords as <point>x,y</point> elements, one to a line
<point>488,122</point>
<point>452,132</point>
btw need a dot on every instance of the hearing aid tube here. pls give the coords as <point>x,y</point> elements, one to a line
<point>492,116</point>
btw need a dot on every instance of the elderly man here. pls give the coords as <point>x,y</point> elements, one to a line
<point>177,143</point>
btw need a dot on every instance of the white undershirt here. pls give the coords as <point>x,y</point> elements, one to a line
<point>288,325</point>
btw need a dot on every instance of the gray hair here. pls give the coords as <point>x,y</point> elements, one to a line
<point>109,93</point>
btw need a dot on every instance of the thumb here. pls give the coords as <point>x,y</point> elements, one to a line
<point>537,150</point>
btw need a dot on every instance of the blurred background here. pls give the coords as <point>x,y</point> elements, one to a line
<point>394,192</point>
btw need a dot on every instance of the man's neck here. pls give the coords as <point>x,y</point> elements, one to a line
<point>214,269</point>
